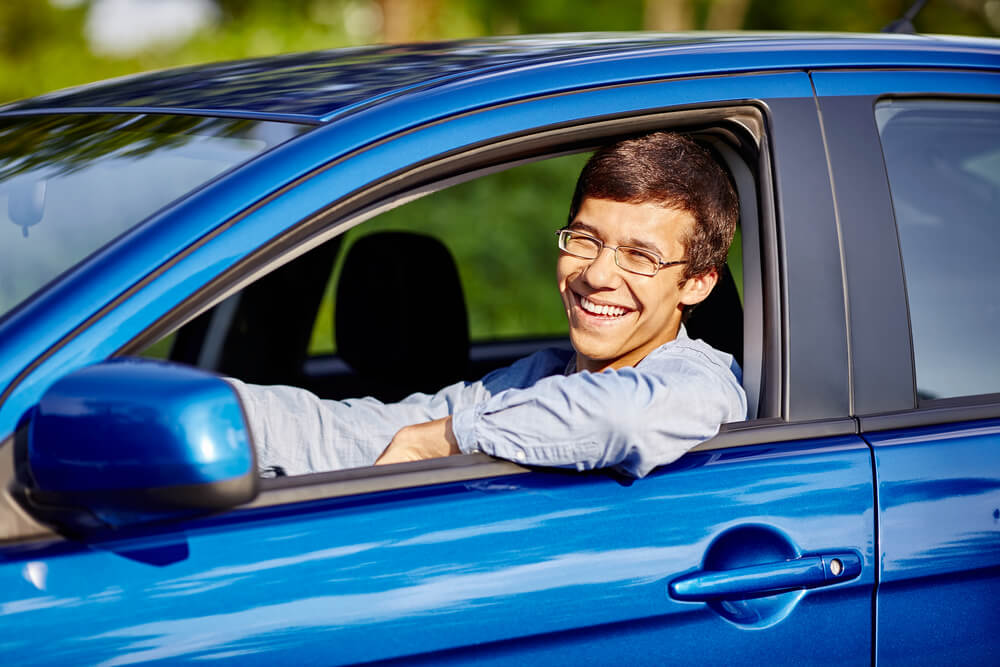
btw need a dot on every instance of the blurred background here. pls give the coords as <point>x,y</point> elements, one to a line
<point>51,44</point>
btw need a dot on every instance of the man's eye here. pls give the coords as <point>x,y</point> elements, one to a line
<point>638,258</point>
<point>582,242</point>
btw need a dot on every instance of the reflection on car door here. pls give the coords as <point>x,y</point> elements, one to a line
<point>535,567</point>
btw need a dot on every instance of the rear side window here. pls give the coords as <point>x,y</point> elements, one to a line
<point>943,162</point>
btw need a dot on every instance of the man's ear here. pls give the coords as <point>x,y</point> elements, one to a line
<point>695,290</point>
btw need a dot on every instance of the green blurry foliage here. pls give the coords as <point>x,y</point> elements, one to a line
<point>960,17</point>
<point>531,16</point>
<point>43,46</point>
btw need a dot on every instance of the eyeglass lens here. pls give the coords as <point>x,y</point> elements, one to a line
<point>630,259</point>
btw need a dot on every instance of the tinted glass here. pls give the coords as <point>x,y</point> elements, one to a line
<point>943,161</point>
<point>70,184</point>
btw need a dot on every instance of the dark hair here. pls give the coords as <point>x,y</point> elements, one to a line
<point>674,172</point>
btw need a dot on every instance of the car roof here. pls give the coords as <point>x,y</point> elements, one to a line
<point>321,86</point>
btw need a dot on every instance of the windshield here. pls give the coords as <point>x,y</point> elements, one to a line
<point>70,184</point>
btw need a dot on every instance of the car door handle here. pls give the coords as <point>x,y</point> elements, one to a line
<point>767,578</point>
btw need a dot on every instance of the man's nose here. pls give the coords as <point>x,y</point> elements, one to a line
<point>603,271</point>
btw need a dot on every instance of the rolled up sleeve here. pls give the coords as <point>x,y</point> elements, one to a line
<point>634,418</point>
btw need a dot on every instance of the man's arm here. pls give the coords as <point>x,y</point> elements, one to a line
<point>299,433</point>
<point>437,438</point>
<point>635,418</point>
<point>295,431</point>
<point>421,441</point>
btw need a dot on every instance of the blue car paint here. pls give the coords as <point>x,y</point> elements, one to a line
<point>296,86</point>
<point>939,525</point>
<point>537,568</point>
<point>240,189</point>
<point>903,83</point>
<point>34,330</point>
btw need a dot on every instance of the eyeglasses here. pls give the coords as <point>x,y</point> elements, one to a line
<point>633,260</point>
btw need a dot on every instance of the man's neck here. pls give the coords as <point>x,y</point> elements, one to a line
<point>629,360</point>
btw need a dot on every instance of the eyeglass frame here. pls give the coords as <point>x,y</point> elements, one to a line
<point>602,245</point>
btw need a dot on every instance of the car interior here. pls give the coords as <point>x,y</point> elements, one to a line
<point>266,339</point>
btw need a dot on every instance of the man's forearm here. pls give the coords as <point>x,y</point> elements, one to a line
<point>417,442</point>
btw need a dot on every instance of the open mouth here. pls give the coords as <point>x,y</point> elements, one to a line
<point>599,310</point>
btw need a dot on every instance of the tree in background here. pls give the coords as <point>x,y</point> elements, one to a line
<point>50,44</point>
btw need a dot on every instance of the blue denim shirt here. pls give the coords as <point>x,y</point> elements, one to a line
<point>532,412</point>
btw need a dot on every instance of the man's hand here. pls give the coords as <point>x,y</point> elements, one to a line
<point>429,440</point>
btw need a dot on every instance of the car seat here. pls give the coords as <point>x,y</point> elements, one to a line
<point>718,320</point>
<point>400,320</point>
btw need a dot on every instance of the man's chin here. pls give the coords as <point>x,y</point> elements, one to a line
<point>590,355</point>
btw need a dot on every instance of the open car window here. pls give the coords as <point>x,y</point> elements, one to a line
<point>443,288</point>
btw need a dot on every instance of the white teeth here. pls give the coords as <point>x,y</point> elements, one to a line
<point>607,311</point>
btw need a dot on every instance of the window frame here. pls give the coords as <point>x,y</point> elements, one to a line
<point>497,154</point>
<point>491,156</point>
<point>884,389</point>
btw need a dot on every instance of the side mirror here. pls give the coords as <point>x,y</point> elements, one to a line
<point>133,441</point>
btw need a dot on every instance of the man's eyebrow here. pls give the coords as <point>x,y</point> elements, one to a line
<point>644,245</point>
<point>584,227</point>
<point>630,242</point>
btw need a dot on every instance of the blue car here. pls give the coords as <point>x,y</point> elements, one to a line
<point>165,230</point>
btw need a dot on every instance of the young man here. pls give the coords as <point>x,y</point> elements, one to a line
<point>650,224</point>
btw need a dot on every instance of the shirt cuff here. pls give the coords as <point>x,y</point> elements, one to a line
<point>463,425</point>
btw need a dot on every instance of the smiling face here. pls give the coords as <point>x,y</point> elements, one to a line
<point>615,317</point>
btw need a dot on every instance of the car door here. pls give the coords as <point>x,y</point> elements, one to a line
<point>917,195</point>
<point>759,545</point>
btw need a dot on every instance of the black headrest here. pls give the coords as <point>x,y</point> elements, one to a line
<point>400,314</point>
<point>718,320</point>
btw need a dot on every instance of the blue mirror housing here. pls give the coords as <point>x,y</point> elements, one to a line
<point>132,441</point>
